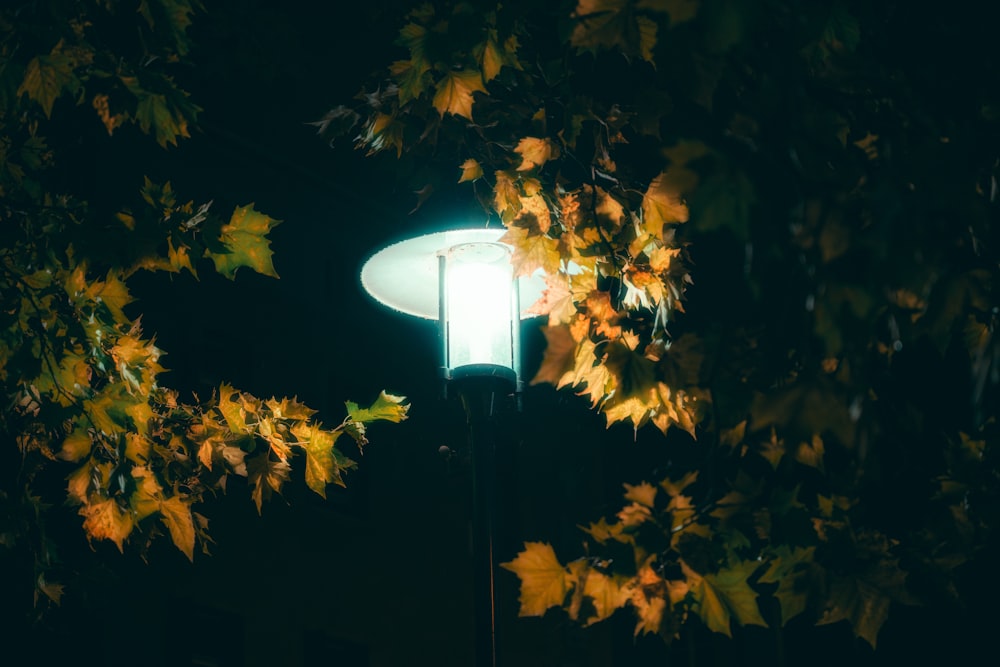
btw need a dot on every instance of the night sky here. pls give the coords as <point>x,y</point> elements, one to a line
<point>380,574</point>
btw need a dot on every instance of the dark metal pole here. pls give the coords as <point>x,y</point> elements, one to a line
<point>482,398</point>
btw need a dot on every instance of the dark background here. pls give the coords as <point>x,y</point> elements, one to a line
<point>379,574</point>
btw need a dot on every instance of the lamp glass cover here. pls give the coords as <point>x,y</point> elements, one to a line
<point>479,298</point>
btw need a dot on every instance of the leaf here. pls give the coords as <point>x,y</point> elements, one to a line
<point>105,520</point>
<point>643,493</point>
<point>386,407</point>
<point>559,357</point>
<point>231,410</point>
<point>787,568</point>
<point>534,152</point>
<point>544,581</point>
<point>454,92</point>
<point>176,515</point>
<point>471,170</point>
<point>76,446</point>
<point>662,205</point>
<point>531,251</point>
<point>47,77</point>
<point>606,594</point>
<point>725,596</point>
<point>321,463</point>
<point>245,238</point>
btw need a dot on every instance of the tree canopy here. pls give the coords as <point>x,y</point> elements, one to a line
<point>768,230</point>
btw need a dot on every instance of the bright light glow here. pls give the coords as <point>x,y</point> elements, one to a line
<point>479,289</point>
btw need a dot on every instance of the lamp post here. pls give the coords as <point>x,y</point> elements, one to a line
<point>464,279</point>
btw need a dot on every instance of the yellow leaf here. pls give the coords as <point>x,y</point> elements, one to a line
<point>662,205</point>
<point>322,466</point>
<point>105,520</point>
<point>148,493</point>
<point>556,301</point>
<point>506,198</point>
<point>454,92</point>
<point>490,57</point>
<point>534,152</point>
<point>231,410</point>
<point>559,356</point>
<point>245,238</point>
<point>78,487</point>
<point>544,581</point>
<point>811,453</point>
<point>606,594</point>
<point>471,170</point>
<point>725,596</point>
<point>137,447</point>
<point>643,493</point>
<point>531,252</point>
<point>176,515</point>
<point>112,293</point>
<point>76,446</point>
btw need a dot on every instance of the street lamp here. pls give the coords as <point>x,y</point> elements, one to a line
<point>464,279</point>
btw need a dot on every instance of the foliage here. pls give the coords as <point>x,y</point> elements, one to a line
<point>770,226</point>
<point>86,422</point>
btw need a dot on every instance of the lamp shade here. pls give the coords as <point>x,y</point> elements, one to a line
<point>464,279</point>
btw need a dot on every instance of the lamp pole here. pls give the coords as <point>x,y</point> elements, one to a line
<point>463,278</point>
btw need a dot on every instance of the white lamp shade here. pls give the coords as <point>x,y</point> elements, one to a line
<point>463,278</point>
<point>404,276</point>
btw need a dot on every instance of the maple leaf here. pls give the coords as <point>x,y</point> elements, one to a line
<point>266,476</point>
<point>76,446</point>
<point>531,252</point>
<point>47,77</point>
<point>410,78</point>
<point>506,198</point>
<point>387,407</point>
<point>471,170</point>
<point>176,516</point>
<point>322,466</point>
<point>245,238</point>
<point>725,596</point>
<point>534,152</point>
<point>145,500</point>
<point>787,568</point>
<point>454,92</point>
<point>105,520</point>
<point>557,300</point>
<point>662,205</point>
<point>559,356</point>
<point>112,293</point>
<point>643,493</point>
<point>231,410</point>
<point>544,581</point>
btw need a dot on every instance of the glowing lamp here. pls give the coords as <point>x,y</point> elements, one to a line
<point>464,279</point>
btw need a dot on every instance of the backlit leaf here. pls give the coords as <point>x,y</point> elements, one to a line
<point>176,515</point>
<point>544,581</point>
<point>725,596</point>
<point>245,238</point>
<point>105,520</point>
<point>454,92</point>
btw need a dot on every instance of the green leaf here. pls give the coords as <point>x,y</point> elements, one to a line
<point>245,238</point>
<point>386,407</point>
<point>47,77</point>
<point>323,464</point>
<point>725,596</point>
<point>787,569</point>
